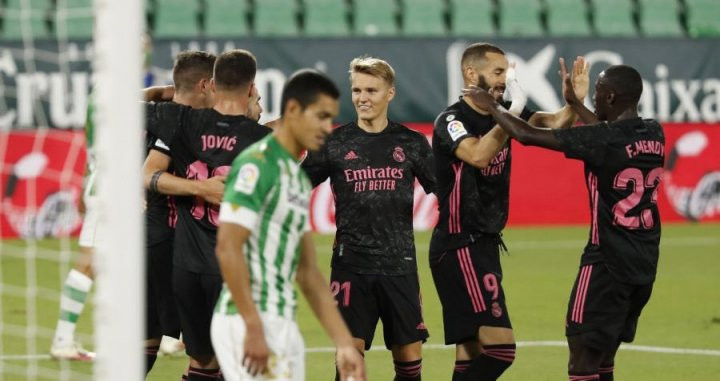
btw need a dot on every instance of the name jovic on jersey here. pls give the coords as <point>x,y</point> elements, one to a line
<point>623,168</point>
<point>202,143</point>
<point>373,180</point>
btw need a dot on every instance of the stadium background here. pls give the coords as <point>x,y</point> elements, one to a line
<point>46,76</point>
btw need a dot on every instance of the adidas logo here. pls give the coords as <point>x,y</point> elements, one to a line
<point>351,155</point>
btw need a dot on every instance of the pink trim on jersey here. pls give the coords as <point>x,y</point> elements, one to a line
<point>581,294</point>
<point>609,369</point>
<point>471,281</point>
<point>593,190</point>
<point>589,377</point>
<point>454,215</point>
<point>172,212</point>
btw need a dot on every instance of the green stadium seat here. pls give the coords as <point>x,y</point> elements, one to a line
<point>471,18</point>
<point>614,18</point>
<point>276,18</point>
<point>326,18</point>
<point>567,18</point>
<point>703,18</point>
<point>74,19</point>
<point>520,18</point>
<point>176,18</point>
<point>424,18</point>
<point>225,18</point>
<point>16,18</point>
<point>660,18</point>
<point>375,17</point>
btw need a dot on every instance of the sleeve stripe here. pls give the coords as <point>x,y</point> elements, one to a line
<point>238,215</point>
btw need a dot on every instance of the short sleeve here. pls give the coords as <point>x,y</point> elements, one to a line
<point>587,143</point>
<point>248,184</point>
<point>164,119</point>
<point>448,132</point>
<point>317,165</point>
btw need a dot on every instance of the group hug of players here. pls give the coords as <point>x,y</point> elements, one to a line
<point>239,194</point>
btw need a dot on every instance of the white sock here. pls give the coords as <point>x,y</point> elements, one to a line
<point>72,300</point>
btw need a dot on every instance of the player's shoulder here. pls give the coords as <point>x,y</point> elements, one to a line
<point>406,131</point>
<point>260,153</point>
<point>452,113</point>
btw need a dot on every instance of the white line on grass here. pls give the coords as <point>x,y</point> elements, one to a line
<point>561,344</point>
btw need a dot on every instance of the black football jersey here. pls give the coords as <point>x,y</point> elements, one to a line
<point>202,143</point>
<point>623,168</point>
<point>470,200</point>
<point>373,180</point>
<point>160,212</point>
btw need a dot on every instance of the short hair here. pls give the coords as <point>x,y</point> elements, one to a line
<point>190,67</point>
<point>234,70</point>
<point>625,81</point>
<point>375,67</point>
<point>305,86</point>
<point>477,51</point>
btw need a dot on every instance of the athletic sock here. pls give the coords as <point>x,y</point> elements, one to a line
<point>606,373</point>
<point>72,300</point>
<point>408,370</point>
<point>580,376</point>
<point>494,360</point>
<point>461,367</point>
<point>150,357</point>
<point>198,374</point>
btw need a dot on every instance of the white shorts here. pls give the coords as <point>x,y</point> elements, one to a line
<point>90,222</point>
<point>287,359</point>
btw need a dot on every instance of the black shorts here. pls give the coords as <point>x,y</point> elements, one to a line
<point>196,295</point>
<point>161,311</point>
<point>363,299</point>
<point>603,311</point>
<point>469,284</point>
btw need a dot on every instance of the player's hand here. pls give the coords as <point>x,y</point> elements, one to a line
<point>479,97</point>
<point>580,76</point>
<point>350,363</point>
<point>515,91</point>
<point>568,88</point>
<point>257,352</point>
<point>213,189</point>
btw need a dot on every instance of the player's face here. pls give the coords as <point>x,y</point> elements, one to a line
<point>370,96</point>
<point>315,122</point>
<point>601,98</point>
<point>491,74</point>
<point>254,108</point>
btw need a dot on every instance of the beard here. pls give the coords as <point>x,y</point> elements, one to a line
<point>496,91</point>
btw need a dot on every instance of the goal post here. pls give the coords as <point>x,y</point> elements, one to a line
<point>120,280</point>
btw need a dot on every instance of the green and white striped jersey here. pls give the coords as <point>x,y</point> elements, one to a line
<point>268,193</point>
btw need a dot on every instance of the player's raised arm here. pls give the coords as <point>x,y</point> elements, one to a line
<point>567,115</point>
<point>231,239</point>
<point>571,97</point>
<point>158,93</point>
<point>517,128</point>
<point>314,287</point>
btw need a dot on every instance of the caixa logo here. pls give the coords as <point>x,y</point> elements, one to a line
<point>692,179</point>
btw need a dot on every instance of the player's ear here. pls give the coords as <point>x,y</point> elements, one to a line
<point>292,108</point>
<point>212,85</point>
<point>611,98</point>
<point>391,93</point>
<point>250,90</point>
<point>469,74</point>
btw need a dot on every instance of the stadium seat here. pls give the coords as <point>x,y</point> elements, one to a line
<point>472,18</point>
<point>275,18</point>
<point>568,18</point>
<point>614,18</point>
<point>225,18</point>
<point>424,18</point>
<point>326,18</point>
<point>520,18</point>
<point>176,18</point>
<point>703,17</point>
<point>375,17</point>
<point>15,17</point>
<point>660,18</point>
<point>74,19</point>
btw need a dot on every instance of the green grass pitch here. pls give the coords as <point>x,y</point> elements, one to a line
<point>683,313</point>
